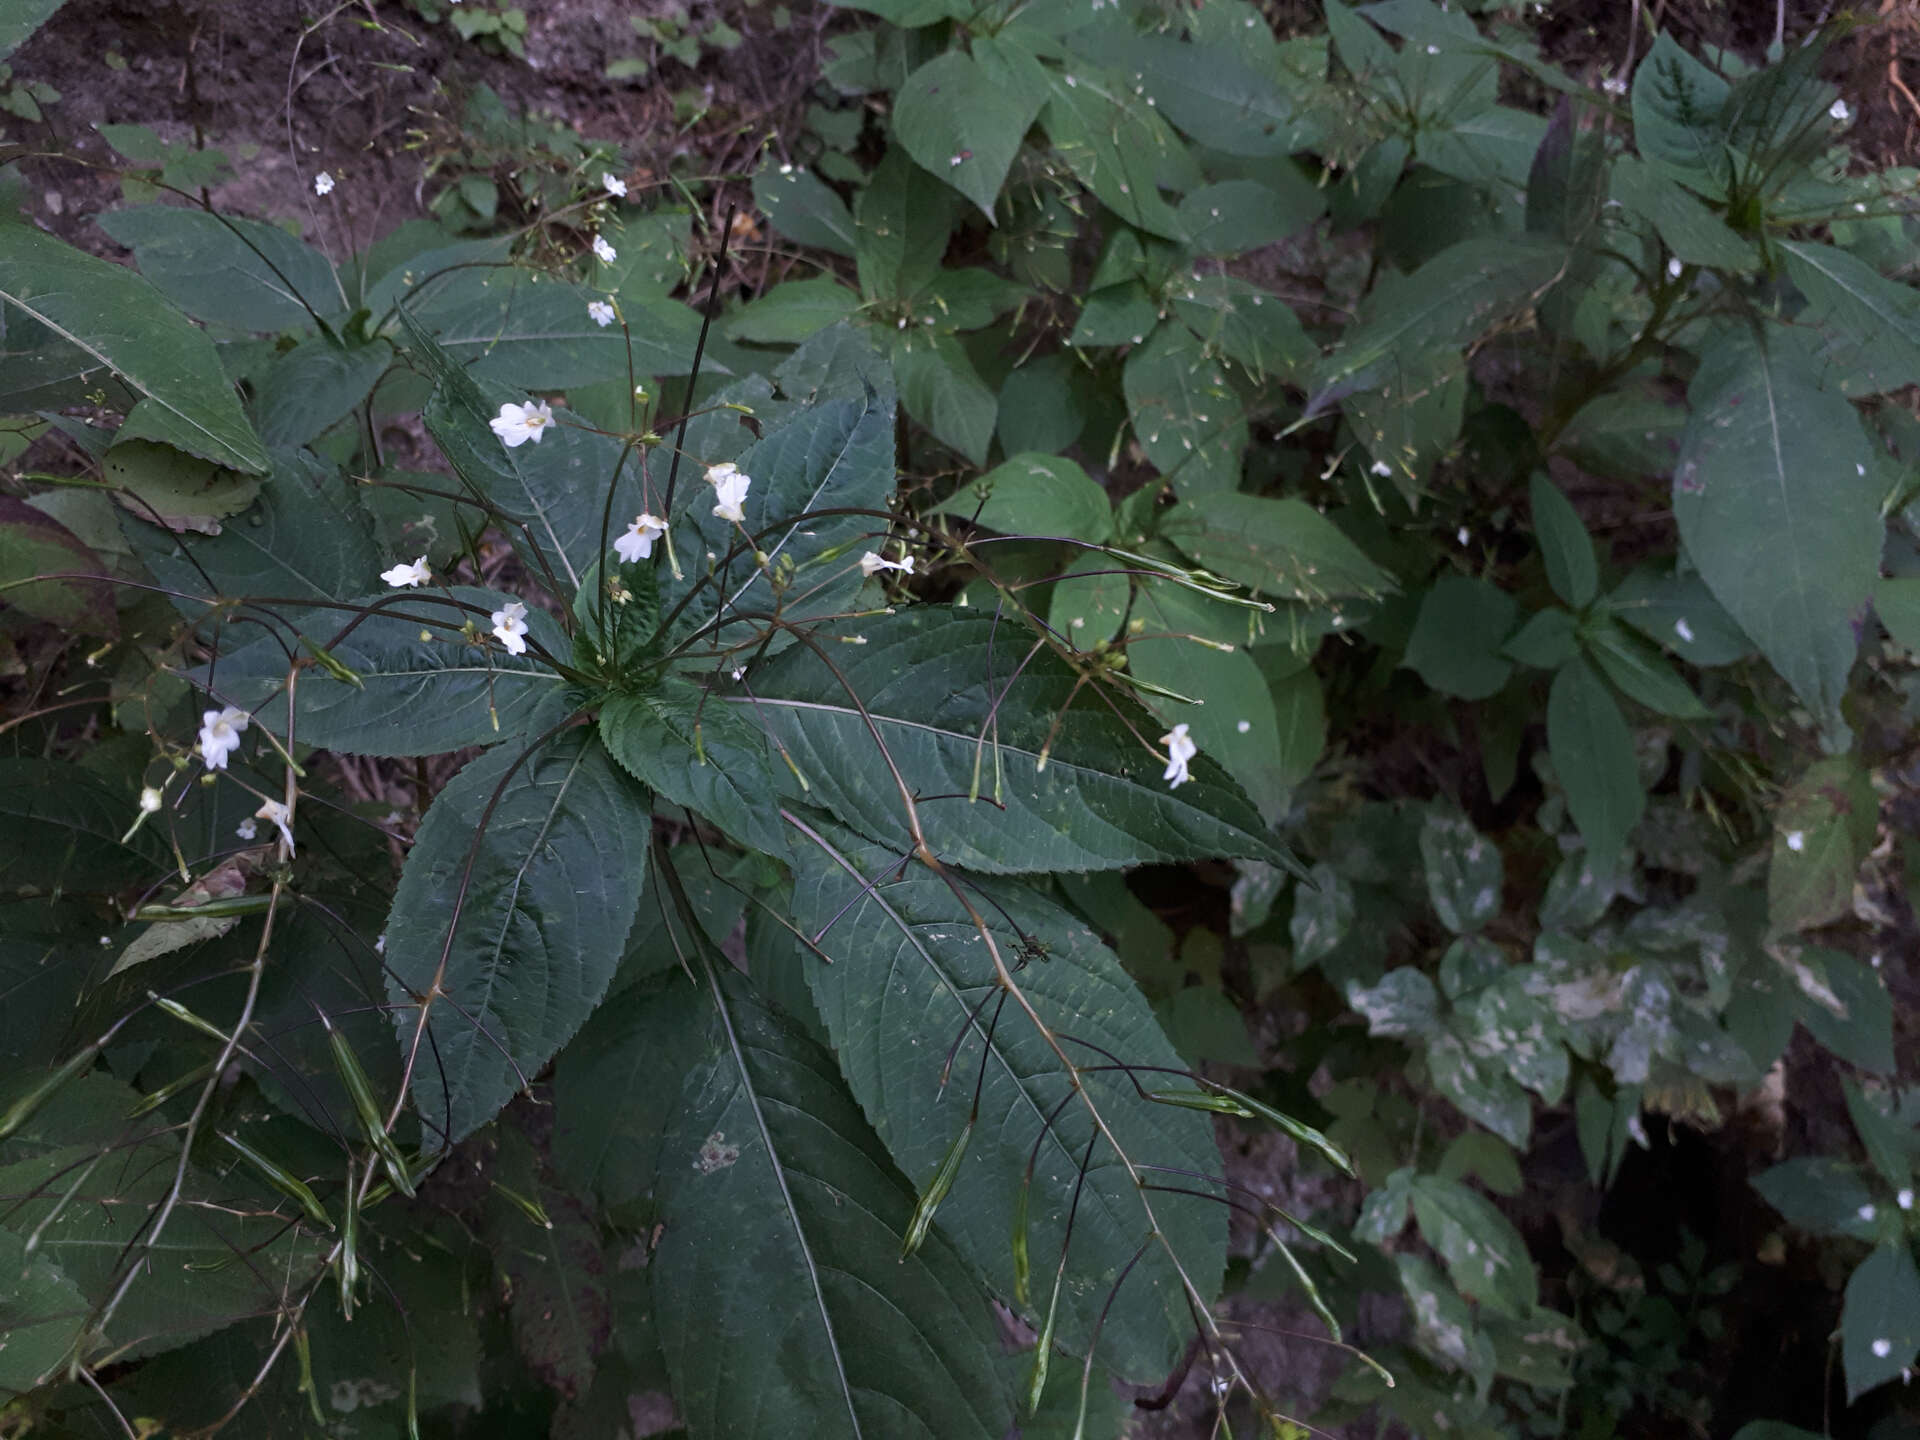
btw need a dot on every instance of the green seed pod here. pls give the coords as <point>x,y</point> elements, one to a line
<point>936,1191</point>
<point>283,1180</point>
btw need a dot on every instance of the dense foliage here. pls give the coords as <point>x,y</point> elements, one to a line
<point>659,899</point>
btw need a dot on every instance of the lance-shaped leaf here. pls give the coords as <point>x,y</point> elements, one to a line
<point>1118,148</point>
<point>41,1314</point>
<point>227,270</point>
<point>1779,509</point>
<point>1283,548</point>
<point>836,455</point>
<point>423,687</point>
<point>909,968</point>
<point>698,752</point>
<point>307,536</point>
<point>792,1312</point>
<point>942,693</point>
<point>530,934</point>
<point>959,125</point>
<point>555,487</point>
<point>1874,321</point>
<point>124,323</point>
<point>1187,416</point>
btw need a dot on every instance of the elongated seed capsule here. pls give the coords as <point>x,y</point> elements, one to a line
<point>1020,1268</point>
<point>152,1102</point>
<point>366,1108</point>
<point>332,664</point>
<point>187,1017</point>
<point>22,1110</point>
<point>213,909</point>
<point>936,1191</point>
<point>1298,1129</point>
<point>1314,1233</point>
<point>413,1402</point>
<point>1038,1382</point>
<point>304,1350</point>
<point>1201,1100</point>
<point>533,1209</point>
<point>1306,1283</point>
<point>283,1180</point>
<point>346,1265</point>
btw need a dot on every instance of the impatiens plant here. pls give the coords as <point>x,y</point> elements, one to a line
<point>582,825</point>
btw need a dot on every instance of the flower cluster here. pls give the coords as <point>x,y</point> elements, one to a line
<point>730,490</point>
<point>1180,751</point>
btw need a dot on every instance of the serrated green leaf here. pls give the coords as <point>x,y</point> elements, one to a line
<point>909,967</point>
<point>41,1311</point>
<point>227,270</point>
<point>935,684</point>
<point>1874,320</point>
<point>961,126</point>
<point>555,487</point>
<point>1677,104</point>
<point>124,323</point>
<point>694,750</point>
<point>1880,1319</point>
<point>1593,755</point>
<point>415,696</point>
<point>1779,512</point>
<point>1035,495</point>
<point>781,1254</point>
<point>530,935</point>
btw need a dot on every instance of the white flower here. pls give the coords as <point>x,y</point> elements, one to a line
<point>1180,750</point>
<point>1614,85</point>
<point>323,184</point>
<point>1463,535</point>
<point>1839,111</point>
<point>220,732</point>
<point>407,576</point>
<point>1796,840</point>
<point>380,946</point>
<point>279,815</point>
<point>1866,1212</point>
<point>600,312</point>
<point>1673,268</point>
<point>1882,1348</point>
<point>150,800</point>
<point>1381,468</point>
<point>730,489</point>
<point>510,627</point>
<point>246,829</point>
<point>872,564</point>
<point>605,251</point>
<point>517,424</point>
<point>1904,1199</point>
<point>1243,726</point>
<point>615,185</point>
<point>637,543</point>
<point>1683,630</point>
